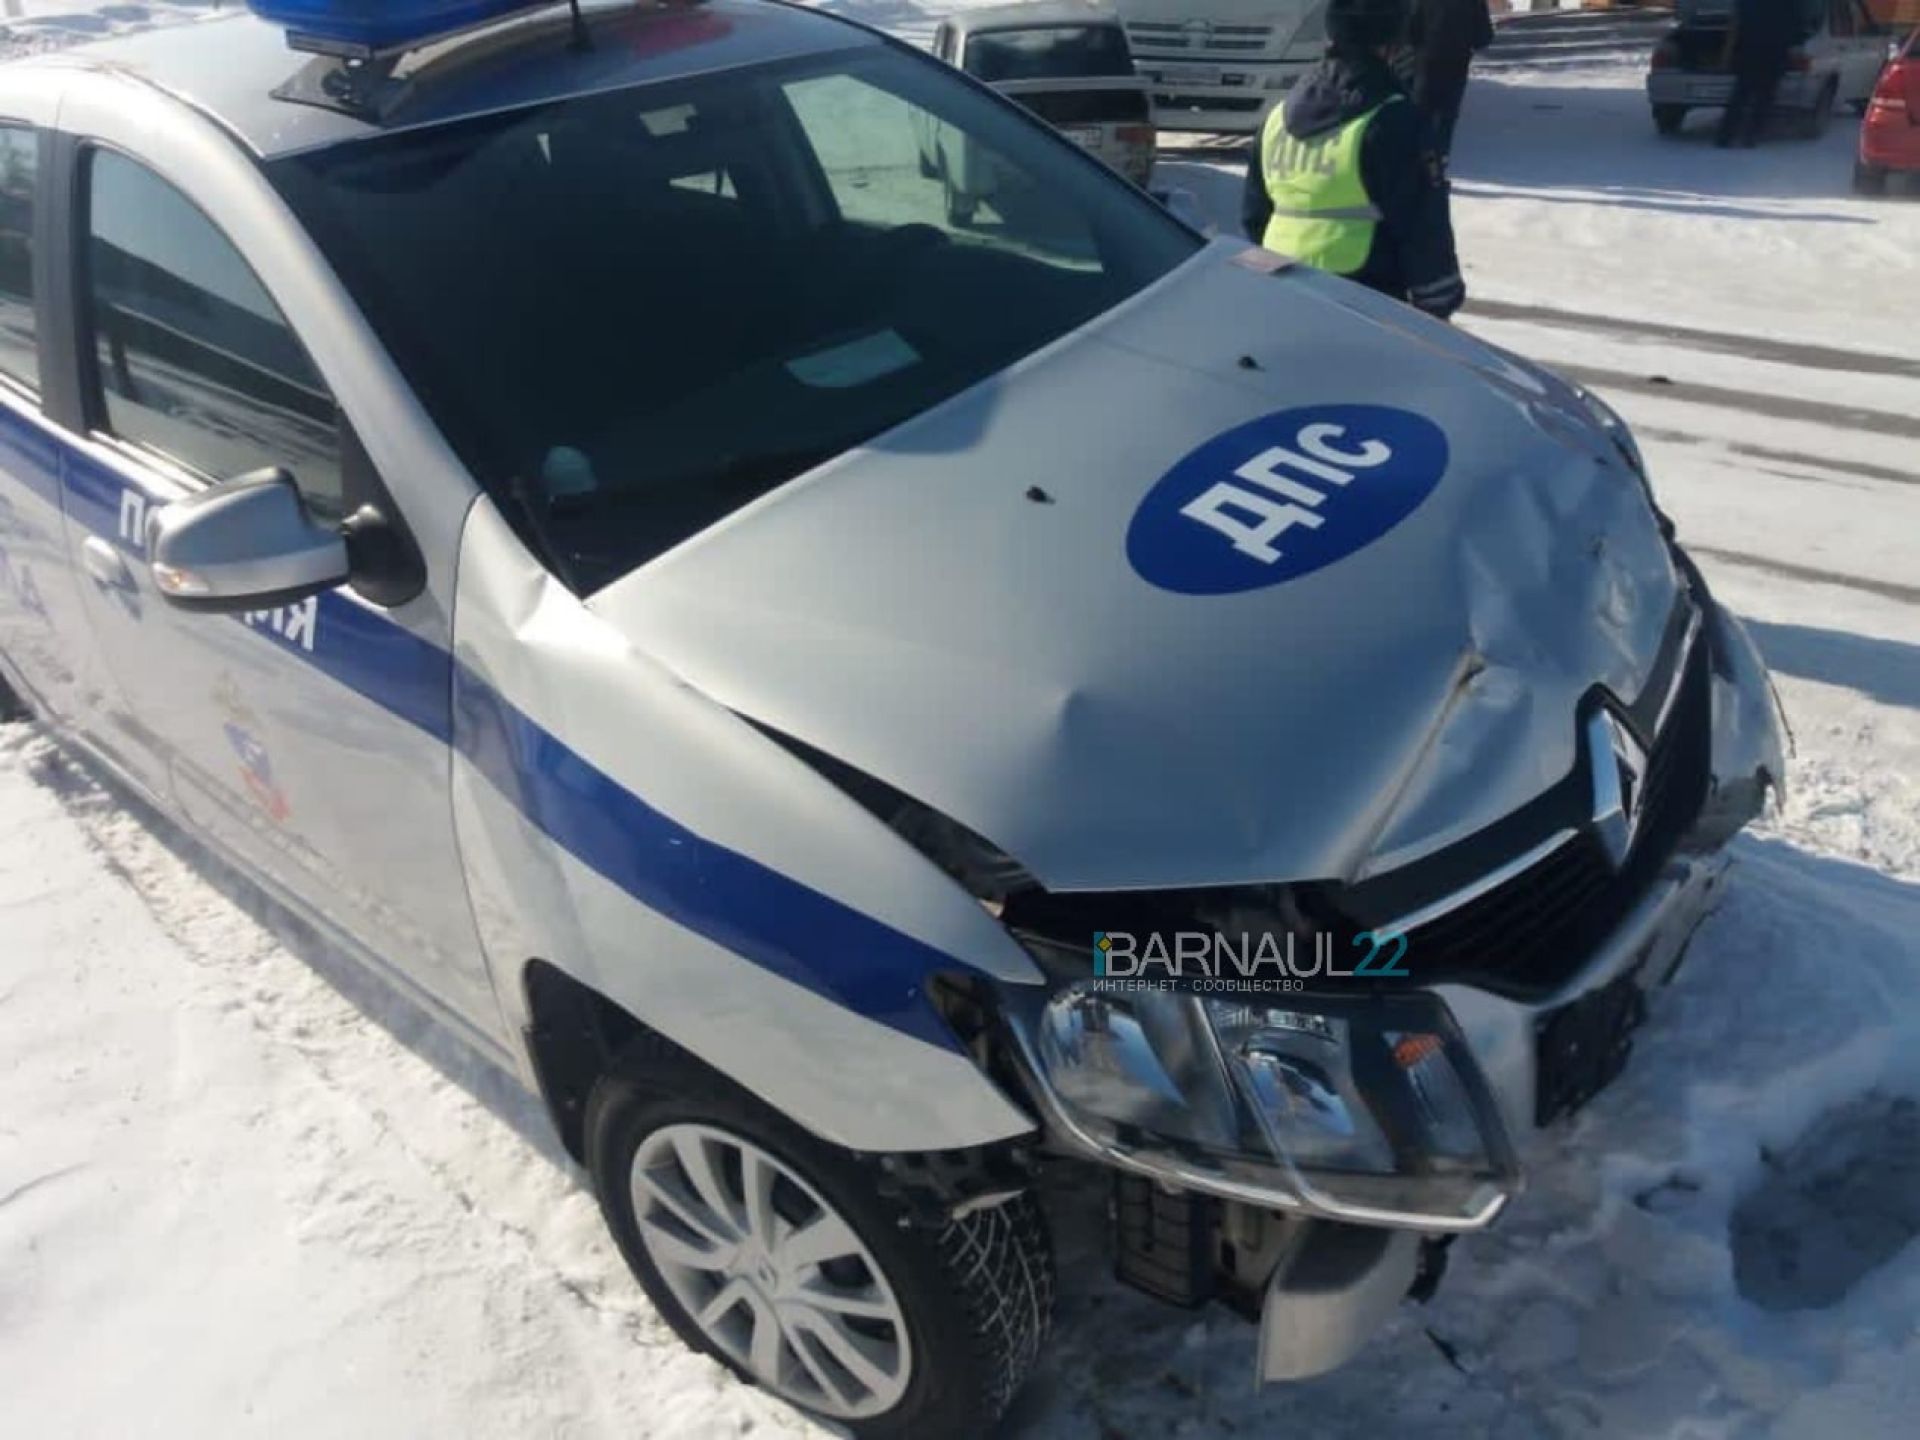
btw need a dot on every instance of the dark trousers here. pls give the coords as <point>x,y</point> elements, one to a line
<point>1756,80</point>
<point>1439,89</point>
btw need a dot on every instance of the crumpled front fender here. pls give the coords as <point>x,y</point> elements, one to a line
<point>1749,735</point>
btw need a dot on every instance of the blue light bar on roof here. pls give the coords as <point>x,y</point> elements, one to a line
<point>371,27</point>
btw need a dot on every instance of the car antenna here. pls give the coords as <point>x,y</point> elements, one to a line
<point>582,38</point>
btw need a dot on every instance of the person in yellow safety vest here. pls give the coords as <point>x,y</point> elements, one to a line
<point>1347,176</point>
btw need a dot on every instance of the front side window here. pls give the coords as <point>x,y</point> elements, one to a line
<point>194,359</point>
<point>19,168</point>
<point>634,311</point>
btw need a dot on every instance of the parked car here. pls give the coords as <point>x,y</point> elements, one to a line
<point>1890,136</point>
<point>1065,60</point>
<point>564,510</point>
<point>1836,63</point>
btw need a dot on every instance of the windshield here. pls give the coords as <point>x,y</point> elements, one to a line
<point>1046,52</point>
<point>634,312</point>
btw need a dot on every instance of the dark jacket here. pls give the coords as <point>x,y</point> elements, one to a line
<point>1443,35</point>
<point>1764,30</point>
<point>1413,256</point>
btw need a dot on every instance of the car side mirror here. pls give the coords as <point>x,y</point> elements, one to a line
<point>244,544</point>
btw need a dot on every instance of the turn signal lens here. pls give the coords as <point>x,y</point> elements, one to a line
<point>1410,1050</point>
<point>175,581</point>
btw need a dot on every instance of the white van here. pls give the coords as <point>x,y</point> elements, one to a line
<point>1217,65</point>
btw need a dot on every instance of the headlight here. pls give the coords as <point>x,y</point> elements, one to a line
<point>1363,1108</point>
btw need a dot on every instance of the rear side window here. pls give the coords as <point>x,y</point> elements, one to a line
<point>1036,52</point>
<point>19,168</point>
<point>194,359</point>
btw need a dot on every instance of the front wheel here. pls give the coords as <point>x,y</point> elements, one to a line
<point>12,707</point>
<point>1668,119</point>
<point>775,1253</point>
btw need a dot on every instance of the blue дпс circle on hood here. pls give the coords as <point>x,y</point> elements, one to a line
<point>1283,496</point>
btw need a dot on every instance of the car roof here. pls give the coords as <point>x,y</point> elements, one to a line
<point>1033,13</point>
<point>230,67</point>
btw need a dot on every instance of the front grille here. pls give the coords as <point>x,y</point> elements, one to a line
<point>1232,103</point>
<point>1221,40</point>
<point>1533,932</point>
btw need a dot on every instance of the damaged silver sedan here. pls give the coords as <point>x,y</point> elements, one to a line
<point>857,709</point>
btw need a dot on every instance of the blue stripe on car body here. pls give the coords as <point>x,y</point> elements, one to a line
<point>735,901</point>
<point>776,922</point>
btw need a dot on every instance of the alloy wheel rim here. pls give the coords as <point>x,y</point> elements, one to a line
<point>772,1274</point>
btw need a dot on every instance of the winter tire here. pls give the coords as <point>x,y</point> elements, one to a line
<point>1668,119</point>
<point>1869,179</point>
<point>778,1255</point>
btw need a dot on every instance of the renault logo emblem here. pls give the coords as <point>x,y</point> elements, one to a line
<point>1619,765</point>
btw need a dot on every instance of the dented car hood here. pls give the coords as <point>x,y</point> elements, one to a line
<point>1007,609</point>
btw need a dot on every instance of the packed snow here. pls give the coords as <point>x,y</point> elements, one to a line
<point>246,1186</point>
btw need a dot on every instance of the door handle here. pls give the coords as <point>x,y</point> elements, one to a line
<point>105,564</point>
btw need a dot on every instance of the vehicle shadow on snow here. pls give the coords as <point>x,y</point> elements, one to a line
<point>1888,670</point>
<point>1600,142</point>
<point>80,786</point>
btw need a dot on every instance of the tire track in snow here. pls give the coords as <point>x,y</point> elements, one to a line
<point>1723,414</point>
<point>1860,469</point>
<point>1752,402</point>
<point>1787,570</point>
<point>1721,342</point>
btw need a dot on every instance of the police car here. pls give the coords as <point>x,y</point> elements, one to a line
<point>854,709</point>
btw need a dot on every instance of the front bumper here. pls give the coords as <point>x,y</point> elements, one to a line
<point>1223,99</point>
<point>1513,1037</point>
<point>1507,1036</point>
<point>1340,1271</point>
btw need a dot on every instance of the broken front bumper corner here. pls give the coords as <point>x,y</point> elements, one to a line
<point>1749,736</point>
<point>1329,1294</point>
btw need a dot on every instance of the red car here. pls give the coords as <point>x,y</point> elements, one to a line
<point>1890,138</point>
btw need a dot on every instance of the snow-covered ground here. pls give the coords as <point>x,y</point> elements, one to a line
<point>245,1187</point>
